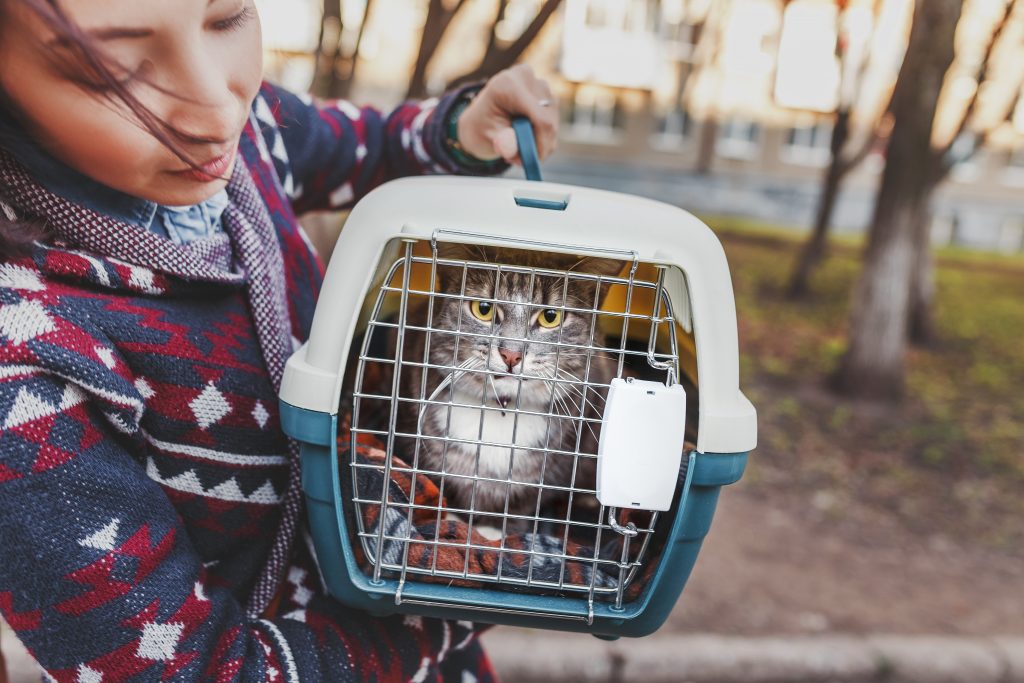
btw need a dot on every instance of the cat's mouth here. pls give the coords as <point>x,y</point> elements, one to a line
<point>506,387</point>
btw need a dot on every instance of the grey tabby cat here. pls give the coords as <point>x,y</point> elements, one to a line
<point>513,377</point>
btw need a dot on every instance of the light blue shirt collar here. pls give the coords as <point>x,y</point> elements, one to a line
<point>186,223</point>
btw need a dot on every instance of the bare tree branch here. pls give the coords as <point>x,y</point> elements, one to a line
<point>439,18</point>
<point>496,58</point>
<point>353,59</point>
<point>947,160</point>
<point>879,134</point>
<point>325,58</point>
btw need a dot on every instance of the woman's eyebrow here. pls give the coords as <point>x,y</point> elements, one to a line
<point>112,33</point>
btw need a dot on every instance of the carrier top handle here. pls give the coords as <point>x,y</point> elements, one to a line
<point>527,147</point>
<point>531,165</point>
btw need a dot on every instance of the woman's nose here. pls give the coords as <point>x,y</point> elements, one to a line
<point>204,110</point>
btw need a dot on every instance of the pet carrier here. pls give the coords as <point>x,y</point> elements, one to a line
<point>518,403</point>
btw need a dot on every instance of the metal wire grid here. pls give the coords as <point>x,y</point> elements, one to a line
<point>621,569</point>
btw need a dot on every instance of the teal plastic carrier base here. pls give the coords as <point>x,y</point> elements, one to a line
<point>706,474</point>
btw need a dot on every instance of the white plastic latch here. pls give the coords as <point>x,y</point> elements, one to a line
<point>641,445</point>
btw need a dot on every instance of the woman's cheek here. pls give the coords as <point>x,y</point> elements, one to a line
<point>248,65</point>
<point>114,148</point>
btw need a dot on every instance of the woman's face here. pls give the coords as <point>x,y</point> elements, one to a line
<point>195,64</point>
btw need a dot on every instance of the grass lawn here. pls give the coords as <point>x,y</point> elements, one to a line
<point>950,458</point>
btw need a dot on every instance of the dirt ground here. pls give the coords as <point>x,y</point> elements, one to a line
<point>785,564</point>
<point>852,518</point>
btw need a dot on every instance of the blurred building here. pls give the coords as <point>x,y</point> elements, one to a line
<point>719,106</point>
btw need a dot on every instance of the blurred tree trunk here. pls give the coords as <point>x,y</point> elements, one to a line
<point>328,50</point>
<point>814,248</point>
<point>497,58</point>
<point>921,326</point>
<point>706,145</point>
<point>873,364</point>
<point>336,71</point>
<point>439,17</point>
<point>353,60</point>
<point>706,52</point>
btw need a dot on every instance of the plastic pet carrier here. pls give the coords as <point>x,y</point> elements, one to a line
<point>518,403</point>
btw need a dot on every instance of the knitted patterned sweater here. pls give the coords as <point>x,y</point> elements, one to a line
<point>144,479</point>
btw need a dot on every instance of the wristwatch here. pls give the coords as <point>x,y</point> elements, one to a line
<point>455,148</point>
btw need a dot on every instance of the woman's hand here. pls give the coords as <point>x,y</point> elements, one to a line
<point>485,127</point>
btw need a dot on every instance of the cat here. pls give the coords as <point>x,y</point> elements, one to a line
<point>521,389</point>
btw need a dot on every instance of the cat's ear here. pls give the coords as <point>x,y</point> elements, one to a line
<point>451,251</point>
<point>462,252</point>
<point>608,267</point>
<point>599,266</point>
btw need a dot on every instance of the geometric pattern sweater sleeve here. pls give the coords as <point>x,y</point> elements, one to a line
<point>329,154</point>
<point>141,457</point>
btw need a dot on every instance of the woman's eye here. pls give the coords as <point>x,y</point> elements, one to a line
<point>549,318</point>
<point>235,22</point>
<point>93,82</point>
<point>483,310</point>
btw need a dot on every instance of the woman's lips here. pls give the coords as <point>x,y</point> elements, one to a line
<point>211,170</point>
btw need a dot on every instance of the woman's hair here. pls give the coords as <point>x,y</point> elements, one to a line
<point>16,236</point>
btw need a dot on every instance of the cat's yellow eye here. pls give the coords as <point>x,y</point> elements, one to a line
<point>483,310</point>
<point>550,318</point>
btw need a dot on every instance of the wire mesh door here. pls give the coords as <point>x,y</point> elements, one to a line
<point>483,376</point>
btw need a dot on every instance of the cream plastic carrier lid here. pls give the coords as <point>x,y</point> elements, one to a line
<point>426,207</point>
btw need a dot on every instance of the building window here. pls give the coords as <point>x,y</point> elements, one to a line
<point>808,145</point>
<point>681,33</point>
<point>738,138</point>
<point>597,14</point>
<point>596,116</point>
<point>676,33</point>
<point>673,128</point>
<point>630,16</point>
<point>611,43</point>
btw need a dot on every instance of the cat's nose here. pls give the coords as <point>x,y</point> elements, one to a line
<point>511,358</point>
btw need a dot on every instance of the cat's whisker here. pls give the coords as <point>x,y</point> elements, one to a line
<point>565,409</point>
<point>580,392</point>
<point>494,390</point>
<point>609,357</point>
<point>575,422</point>
<point>573,415</point>
<point>579,409</point>
<point>603,355</point>
<point>576,418</point>
<point>448,381</point>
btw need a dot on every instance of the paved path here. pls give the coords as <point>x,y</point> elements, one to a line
<point>524,656</point>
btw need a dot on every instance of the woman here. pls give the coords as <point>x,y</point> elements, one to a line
<point>154,283</point>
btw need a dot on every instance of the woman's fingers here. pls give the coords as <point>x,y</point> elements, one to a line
<point>540,106</point>
<point>485,127</point>
<point>506,145</point>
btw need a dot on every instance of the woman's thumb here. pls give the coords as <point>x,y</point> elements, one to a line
<point>504,142</point>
